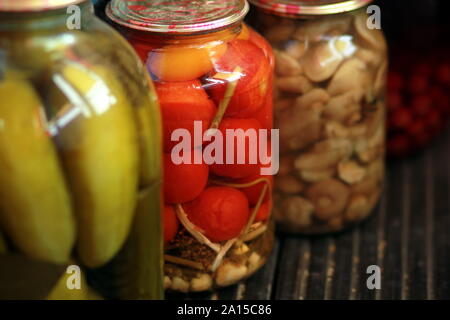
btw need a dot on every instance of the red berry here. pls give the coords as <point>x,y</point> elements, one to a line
<point>253,84</point>
<point>437,94</point>
<point>254,192</point>
<point>263,212</point>
<point>417,128</point>
<point>434,122</point>
<point>443,73</point>
<point>181,104</point>
<point>171,224</point>
<point>236,170</point>
<point>184,182</point>
<point>418,84</point>
<point>395,100</point>
<point>400,119</point>
<point>423,68</point>
<point>221,212</point>
<point>421,105</point>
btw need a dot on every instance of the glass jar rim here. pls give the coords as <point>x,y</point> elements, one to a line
<point>297,8</point>
<point>177,17</point>
<point>35,5</point>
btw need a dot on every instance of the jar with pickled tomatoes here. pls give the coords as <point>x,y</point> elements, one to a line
<point>330,75</point>
<point>213,77</point>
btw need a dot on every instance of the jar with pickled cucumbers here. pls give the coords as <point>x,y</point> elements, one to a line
<point>80,158</point>
<point>330,75</point>
<point>213,75</point>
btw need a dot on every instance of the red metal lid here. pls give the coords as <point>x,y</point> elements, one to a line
<point>177,16</point>
<point>309,7</point>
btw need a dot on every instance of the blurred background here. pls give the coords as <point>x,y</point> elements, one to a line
<point>418,32</point>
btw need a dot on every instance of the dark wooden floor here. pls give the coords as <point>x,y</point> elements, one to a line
<point>408,237</point>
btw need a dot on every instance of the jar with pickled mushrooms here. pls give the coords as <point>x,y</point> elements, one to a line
<point>329,102</point>
<point>211,71</point>
<point>80,159</point>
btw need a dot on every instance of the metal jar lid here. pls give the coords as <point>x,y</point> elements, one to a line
<point>309,7</point>
<point>34,5</point>
<point>177,16</point>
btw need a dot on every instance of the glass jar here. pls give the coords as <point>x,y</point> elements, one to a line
<point>330,71</point>
<point>80,159</point>
<point>212,73</point>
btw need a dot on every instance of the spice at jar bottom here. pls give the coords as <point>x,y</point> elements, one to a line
<point>330,75</point>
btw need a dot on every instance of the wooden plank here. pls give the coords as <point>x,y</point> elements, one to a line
<point>317,270</point>
<point>392,272</point>
<point>429,228</point>
<point>289,271</point>
<point>356,263</point>
<point>260,285</point>
<point>405,229</point>
<point>416,245</point>
<point>368,253</point>
<point>441,163</point>
<point>343,265</point>
<point>381,238</point>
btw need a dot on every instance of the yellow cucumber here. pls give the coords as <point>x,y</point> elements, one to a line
<point>66,289</point>
<point>100,152</point>
<point>35,206</point>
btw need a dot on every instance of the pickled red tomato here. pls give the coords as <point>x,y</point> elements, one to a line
<point>253,84</point>
<point>262,43</point>
<point>265,114</point>
<point>263,211</point>
<point>176,63</point>
<point>253,192</point>
<point>221,212</point>
<point>236,170</point>
<point>181,104</point>
<point>171,224</point>
<point>184,182</point>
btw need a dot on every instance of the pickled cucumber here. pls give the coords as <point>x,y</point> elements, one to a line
<point>35,206</point>
<point>100,152</point>
<point>150,161</point>
<point>61,290</point>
